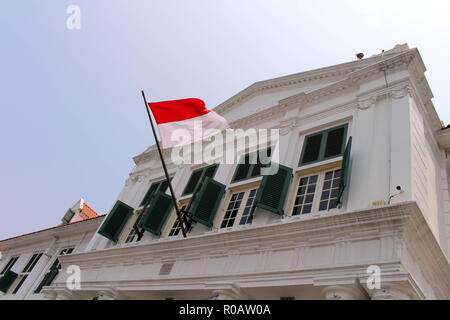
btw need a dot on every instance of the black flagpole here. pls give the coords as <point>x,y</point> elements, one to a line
<point>180,219</point>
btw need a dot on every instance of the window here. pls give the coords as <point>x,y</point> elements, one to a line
<point>240,208</point>
<point>68,216</point>
<point>57,264</point>
<point>27,270</point>
<point>7,280</point>
<point>157,213</point>
<point>317,192</point>
<point>132,232</point>
<point>154,187</point>
<point>53,272</point>
<point>115,221</point>
<point>30,265</point>
<point>206,201</point>
<point>198,175</point>
<point>9,265</point>
<point>324,145</point>
<point>131,236</point>
<point>250,165</point>
<point>176,227</point>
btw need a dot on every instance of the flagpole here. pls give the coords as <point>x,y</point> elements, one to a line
<point>165,168</point>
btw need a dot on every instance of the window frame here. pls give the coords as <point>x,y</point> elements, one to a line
<point>173,221</point>
<point>323,143</point>
<point>158,188</point>
<point>223,209</point>
<point>203,170</point>
<point>56,265</point>
<point>317,170</point>
<point>11,262</point>
<point>118,235</point>
<point>252,165</point>
<point>26,271</point>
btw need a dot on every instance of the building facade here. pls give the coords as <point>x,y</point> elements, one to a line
<point>358,209</point>
<point>31,261</point>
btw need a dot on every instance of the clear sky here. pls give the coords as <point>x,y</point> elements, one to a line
<point>72,116</point>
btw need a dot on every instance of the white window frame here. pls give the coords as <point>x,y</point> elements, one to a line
<point>23,275</point>
<point>236,189</point>
<point>319,170</point>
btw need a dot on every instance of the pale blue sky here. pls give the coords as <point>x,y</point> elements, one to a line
<point>72,114</point>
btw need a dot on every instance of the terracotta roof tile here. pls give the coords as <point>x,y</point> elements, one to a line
<point>88,212</point>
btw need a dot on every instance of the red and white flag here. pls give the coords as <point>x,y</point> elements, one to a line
<point>186,115</point>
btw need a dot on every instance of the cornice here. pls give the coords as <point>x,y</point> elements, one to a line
<point>403,223</point>
<point>303,77</point>
<point>58,232</point>
<point>424,249</point>
<point>280,233</point>
<point>354,75</point>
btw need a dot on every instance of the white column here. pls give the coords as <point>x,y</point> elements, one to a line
<point>362,132</point>
<point>400,151</point>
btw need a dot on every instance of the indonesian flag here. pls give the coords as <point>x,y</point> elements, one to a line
<point>188,118</point>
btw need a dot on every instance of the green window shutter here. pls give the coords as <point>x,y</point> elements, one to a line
<point>7,280</point>
<point>273,190</point>
<point>345,170</point>
<point>207,201</point>
<point>157,213</point>
<point>116,221</point>
<point>155,186</point>
<point>68,216</point>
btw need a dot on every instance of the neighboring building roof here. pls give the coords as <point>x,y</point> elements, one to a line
<point>88,212</point>
<point>81,213</point>
<point>60,226</point>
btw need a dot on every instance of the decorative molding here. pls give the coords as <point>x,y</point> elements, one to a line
<point>354,70</point>
<point>392,291</point>
<point>401,92</point>
<point>287,126</point>
<point>401,221</point>
<point>303,100</point>
<point>367,103</point>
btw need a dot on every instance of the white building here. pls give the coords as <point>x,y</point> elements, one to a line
<point>392,181</point>
<point>31,261</point>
